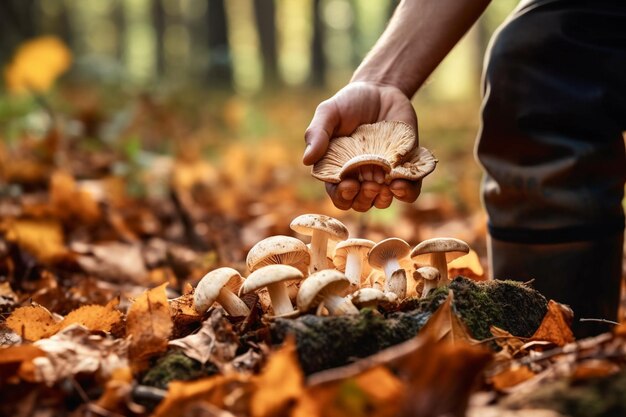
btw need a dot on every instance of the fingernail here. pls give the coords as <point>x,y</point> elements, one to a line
<point>307,151</point>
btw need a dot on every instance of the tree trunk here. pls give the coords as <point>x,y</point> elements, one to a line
<point>219,73</point>
<point>318,59</point>
<point>265,16</point>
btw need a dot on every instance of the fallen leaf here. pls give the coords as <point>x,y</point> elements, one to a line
<point>13,358</point>
<point>42,238</point>
<point>149,326</point>
<point>445,324</point>
<point>113,261</point>
<point>594,368</point>
<point>509,343</point>
<point>511,377</point>
<point>33,322</point>
<point>468,266</point>
<point>76,350</point>
<point>117,395</point>
<point>215,341</point>
<point>94,317</point>
<point>280,384</point>
<point>554,327</point>
<point>70,202</point>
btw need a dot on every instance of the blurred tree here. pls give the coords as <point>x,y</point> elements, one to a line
<point>219,74</point>
<point>265,16</point>
<point>159,19</point>
<point>18,22</point>
<point>318,59</point>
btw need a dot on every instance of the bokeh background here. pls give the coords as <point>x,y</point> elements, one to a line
<point>213,97</point>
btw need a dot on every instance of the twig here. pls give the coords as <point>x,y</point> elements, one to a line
<point>146,392</point>
<point>601,321</point>
<point>494,338</point>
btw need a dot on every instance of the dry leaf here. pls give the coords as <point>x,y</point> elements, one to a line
<point>468,266</point>
<point>117,395</point>
<point>113,261</point>
<point>215,341</point>
<point>554,327</point>
<point>13,360</point>
<point>71,203</point>
<point>149,325</point>
<point>594,368</point>
<point>33,322</point>
<point>37,64</point>
<point>280,383</point>
<point>42,238</point>
<point>509,343</point>
<point>76,350</point>
<point>444,324</point>
<point>94,317</point>
<point>511,377</point>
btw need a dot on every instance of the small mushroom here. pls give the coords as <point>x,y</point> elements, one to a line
<point>324,287</point>
<point>386,255</point>
<point>273,277</point>
<point>285,250</point>
<point>372,298</point>
<point>321,228</point>
<point>430,277</point>
<point>439,251</point>
<point>350,256</point>
<point>220,285</point>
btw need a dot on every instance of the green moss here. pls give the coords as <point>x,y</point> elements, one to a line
<point>598,397</point>
<point>175,365</point>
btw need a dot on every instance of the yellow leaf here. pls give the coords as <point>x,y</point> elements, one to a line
<point>468,266</point>
<point>32,322</point>
<point>149,325</point>
<point>93,317</point>
<point>42,238</point>
<point>554,327</point>
<point>37,64</point>
<point>280,384</point>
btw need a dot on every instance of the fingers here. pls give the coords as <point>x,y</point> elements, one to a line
<point>384,198</point>
<point>364,200</point>
<point>372,173</point>
<point>406,191</point>
<point>343,194</point>
<point>320,130</point>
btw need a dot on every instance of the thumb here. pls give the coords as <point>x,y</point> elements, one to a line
<point>319,132</point>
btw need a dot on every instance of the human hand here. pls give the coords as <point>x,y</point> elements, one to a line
<point>356,104</point>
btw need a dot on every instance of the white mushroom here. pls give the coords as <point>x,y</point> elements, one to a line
<point>350,256</point>
<point>321,228</point>
<point>430,277</point>
<point>285,250</point>
<point>372,298</point>
<point>386,255</point>
<point>220,285</point>
<point>273,278</point>
<point>325,287</point>
<point>438,252</point>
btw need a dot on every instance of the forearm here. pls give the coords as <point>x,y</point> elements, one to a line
<point>418,37</point>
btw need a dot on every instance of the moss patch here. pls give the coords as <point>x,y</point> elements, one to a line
<point>175,365</point>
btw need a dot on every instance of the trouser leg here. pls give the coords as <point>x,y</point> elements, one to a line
<point>551,145</point>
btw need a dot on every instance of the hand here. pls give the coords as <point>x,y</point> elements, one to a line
<point>356,104</point>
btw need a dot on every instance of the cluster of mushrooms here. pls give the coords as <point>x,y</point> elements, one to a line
<point>292,278</point>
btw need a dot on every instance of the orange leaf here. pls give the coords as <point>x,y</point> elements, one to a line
<point>42,238</point>
<point>37,64</point>
<point>70,202</point>
<point>444,324</point>
<point>149,325</point>
<point>554,327</point>
<point>94,317</point>
<point>280,384</point>
<point>511,377</point>
<point>32,322</point>
<point>13,359</point>
<point>467,265</point>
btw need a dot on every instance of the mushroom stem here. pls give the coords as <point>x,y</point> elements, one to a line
<point>428,285</point>
<point>338,306</point>
<point>438,261</point>
<point>354,266</point>
<point>391,266</point>
<point>319,250</point>
<point>396,283</point>
<point>280,299</point>
<point>232,304</point>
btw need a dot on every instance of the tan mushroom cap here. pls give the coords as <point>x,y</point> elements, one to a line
<point>268,275</point>
<point>279,249</point>
<point>209,287</point>
<point>387,249</point>
<point>341,252</point>
<point>419,163</point>
<point>453,248</point>
<point>428,273</point>
<point>383,144</point>
<point>305,224</point>
<point>366,296</point>
<point>310,289</point>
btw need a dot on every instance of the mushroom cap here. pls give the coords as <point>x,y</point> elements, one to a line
<point>416,165</point>
<point>428,273</point>
<point>279,249</point>
<point>305,224</point>
<point>453,248</point>
<point>326,279</point>
<point>270,274</point>
<point>212,283</point>
<point>369,295</point>
<point>385,144</point>
<point>387,249</point>
<point>343,248</point>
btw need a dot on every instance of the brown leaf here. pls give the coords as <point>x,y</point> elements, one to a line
<point>511,377</point>
<point>468,266</point>
<point>33,322</point>
<point>71,203</point>
<point>594,368</point>
<point>509,343</point>
<point>13,358</point>
<point>444,324</point>
<point>215,341</point>
<point>113,261</point>
<point>554,327</point>
<point>149,325</point>
<point>117,397</point>
<point>42,238</point>
<point>280,383</point>
<point>94,317</point>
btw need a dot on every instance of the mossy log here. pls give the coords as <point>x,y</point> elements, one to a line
<point>327,342</point>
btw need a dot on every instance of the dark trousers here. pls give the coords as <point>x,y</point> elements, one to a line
<point>552,148</point>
